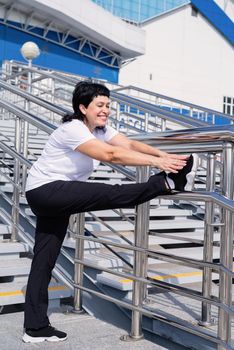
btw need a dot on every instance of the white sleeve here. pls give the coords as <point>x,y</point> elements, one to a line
<point>76,135</point>
<point>110,133</point>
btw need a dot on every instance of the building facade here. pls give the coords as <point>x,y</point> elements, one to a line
<point>187,57</point>
<point>81,38</point>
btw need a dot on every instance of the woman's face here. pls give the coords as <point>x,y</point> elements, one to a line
<point>97,112</point>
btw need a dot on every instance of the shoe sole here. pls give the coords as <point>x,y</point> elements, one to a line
<point>27,339</point>
<point>190,177</point>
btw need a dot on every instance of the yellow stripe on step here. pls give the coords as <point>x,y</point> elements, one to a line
<point>161,278</point>
<point>20,292</point>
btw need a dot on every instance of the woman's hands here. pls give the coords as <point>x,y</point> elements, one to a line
<point>170,162</point>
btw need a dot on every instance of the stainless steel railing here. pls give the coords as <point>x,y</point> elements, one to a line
<point>126,110</point>
<point>190,109</point>
<point>224,302</point>
<point>210,141</point>
<point>13,70</point>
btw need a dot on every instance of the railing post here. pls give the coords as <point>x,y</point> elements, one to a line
<point>208,243</point>
<point>163,124</point>
<point>16,189</point>
<point>228,163</point>
<point>225,280</point>
<point>226,249</point>
<point>146,121</point>
<point>118,115</point>
<point>140,260</point>
<point>78,268</point>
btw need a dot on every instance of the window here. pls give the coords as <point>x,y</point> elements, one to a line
<point>228,105</point>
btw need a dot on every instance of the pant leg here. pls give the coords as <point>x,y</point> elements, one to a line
<point>53,204</point>
<point>70,197</point>
<point>46,250</point>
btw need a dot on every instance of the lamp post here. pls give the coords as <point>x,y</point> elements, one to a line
<point>29,51</point>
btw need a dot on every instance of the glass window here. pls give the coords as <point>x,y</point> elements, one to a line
<point>138,10</point>
<point>228,105</point>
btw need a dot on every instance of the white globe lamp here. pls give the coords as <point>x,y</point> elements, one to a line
<point>30,50</point>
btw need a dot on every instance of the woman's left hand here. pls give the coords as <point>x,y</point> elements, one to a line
<point>168,156</point>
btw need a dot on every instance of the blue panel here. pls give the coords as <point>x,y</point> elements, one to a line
<point>216,17</point>
<point>53,56</point>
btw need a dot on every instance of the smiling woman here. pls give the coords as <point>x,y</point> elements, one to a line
<point>56,188</point>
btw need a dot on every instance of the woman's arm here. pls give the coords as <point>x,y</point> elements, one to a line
<point>123,141</point>
<point>123,155</point>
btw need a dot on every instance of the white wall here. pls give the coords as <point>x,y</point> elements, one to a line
<point>188,60</point>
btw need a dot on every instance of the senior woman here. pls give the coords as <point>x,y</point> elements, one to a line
<point>56,188</point>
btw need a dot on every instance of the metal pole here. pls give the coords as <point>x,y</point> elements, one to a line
<point>228,181</point>
<point>26,125</point>
<point>163,124</point>
<point>146,122</point>
<point>118,115</point>
<point>226,249</point>
<point>16,189</point>
<point>140,260</point>
<point>225,280</point>
<point>78,268</point>
<point>208,243</point>
<point>143,211</point>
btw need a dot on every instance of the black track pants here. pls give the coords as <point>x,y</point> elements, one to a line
<point>53,204</point>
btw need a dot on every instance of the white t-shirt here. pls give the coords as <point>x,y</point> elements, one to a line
<point>60,161</point>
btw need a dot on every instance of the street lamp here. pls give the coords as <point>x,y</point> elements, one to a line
<point>29,51</point>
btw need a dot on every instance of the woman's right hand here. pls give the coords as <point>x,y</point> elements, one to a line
<point>169,164</point>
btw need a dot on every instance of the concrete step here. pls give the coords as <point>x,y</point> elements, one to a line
<point>166,272</point>
<point>9,250</point>
<point>5,229</point>
<point>154,225</point>
<point>154,212</point>
<point>14,292</point>
<point>109,237</point>
<point>188,252</point>
<point>182,237</point>
<point>15,267</point>
<point>165,238</point>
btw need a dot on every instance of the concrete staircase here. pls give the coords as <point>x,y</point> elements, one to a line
<point>15,262</point>
<point>173,229</point>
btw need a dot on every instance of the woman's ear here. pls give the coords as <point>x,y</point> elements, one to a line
<point>82,109</point>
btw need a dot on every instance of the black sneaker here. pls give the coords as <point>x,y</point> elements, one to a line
<point>48,333</point>
<point>184,179</point>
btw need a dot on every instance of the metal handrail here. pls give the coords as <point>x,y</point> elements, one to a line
<point>26,95</point>
<point>199,137</point>
<point>224,322</point>
<point>73,80</point>
<point>171,99</point>
<point>215,198</point>
<point>145,107</point>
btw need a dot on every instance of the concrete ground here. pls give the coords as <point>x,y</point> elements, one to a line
<point>84,332</point>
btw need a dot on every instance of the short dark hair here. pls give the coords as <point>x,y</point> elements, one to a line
<point>84,93</point>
